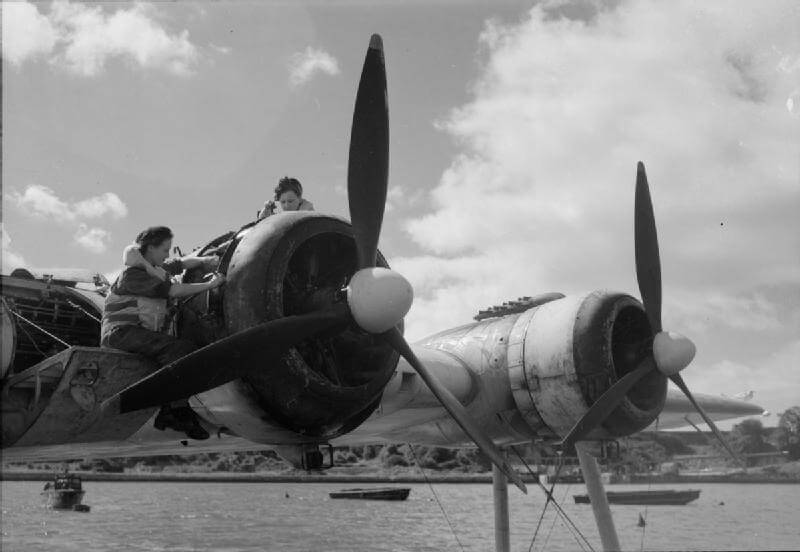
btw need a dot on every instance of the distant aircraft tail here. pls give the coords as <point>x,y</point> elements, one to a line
<point>743,396</point>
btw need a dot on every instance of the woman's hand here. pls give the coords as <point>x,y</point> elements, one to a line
<point>269,209</point>
<point>216,280</point>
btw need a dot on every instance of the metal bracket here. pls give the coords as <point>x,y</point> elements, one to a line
<point>312,459</point>
<point>86,375</point>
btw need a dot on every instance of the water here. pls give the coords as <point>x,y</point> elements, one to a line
<point>230,517</point>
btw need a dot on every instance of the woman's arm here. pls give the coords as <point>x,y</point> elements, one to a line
<point>208,262</point>
<point>184,290</point>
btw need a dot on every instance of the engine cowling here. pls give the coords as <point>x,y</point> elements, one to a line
<point>565,354</point>
<point>289,264</point>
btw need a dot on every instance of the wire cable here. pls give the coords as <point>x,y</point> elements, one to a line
<point>64,343</point>
<point>84,311</point>
<point>649,485</point>
<point>559,509</point>
<point>33,341</point>
<point>574,530</point>
<point>555,518</point>
<point>430,486</point>
<point>546,504</point>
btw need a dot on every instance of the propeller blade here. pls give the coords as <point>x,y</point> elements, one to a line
<point>678,380</point>
<point>607,402</point>
<point>648,265</point>
<point>368,165</point>
<point>225,360</point>
<point>456,410</point>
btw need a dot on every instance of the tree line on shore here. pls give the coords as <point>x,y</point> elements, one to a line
<point>638,453</point>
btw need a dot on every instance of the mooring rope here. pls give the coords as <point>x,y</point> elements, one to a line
<point>430,486</point>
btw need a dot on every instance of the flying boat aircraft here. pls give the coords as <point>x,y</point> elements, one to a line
<point>303,348</point>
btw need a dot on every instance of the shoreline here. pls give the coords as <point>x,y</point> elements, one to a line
<point>247,477</point>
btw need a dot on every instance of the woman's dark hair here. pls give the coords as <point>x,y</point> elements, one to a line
<point>153,236</point>
<point>287,184</point>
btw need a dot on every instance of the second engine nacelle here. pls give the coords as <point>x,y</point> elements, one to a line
<point>563,355</point>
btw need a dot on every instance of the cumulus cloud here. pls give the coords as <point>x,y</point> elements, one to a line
<point>92,239</point>
<point>41,201</point>
<point>10,259</point>
<point>97,206</point>
<point>394,196</point>
<point>26,33</point>
<point>303,66</point>
<point>540,196</point>
<point>225,50</point>
<point>82,38</point>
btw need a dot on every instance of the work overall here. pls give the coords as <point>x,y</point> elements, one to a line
<point>138,323</point>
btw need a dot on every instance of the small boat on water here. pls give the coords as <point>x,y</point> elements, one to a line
<point>569,478</point>
<point>667,497</point>
<point>380,493</point>
<point>64,492</point>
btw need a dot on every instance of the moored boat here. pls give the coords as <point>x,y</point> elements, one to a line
<point>65,492</point>
<point>658,497</point>
<point>380,493</point>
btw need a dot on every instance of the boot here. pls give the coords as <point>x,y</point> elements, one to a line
<point>182,419</point>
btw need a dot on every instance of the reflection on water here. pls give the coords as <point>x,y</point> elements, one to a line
<point>258,516</point>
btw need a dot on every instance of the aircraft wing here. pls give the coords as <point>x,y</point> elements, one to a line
<point>679,412</point>
<point>409,411</point>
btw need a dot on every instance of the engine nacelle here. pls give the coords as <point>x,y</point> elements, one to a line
<point>290,264</point>
<point>564,355</point>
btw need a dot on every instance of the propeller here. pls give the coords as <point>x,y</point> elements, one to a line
<point>377,298</point>
<point>671,352</point>
<point>225,360</point>
<point>368,162</point>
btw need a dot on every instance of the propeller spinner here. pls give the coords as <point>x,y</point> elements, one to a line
<point>671,352</point>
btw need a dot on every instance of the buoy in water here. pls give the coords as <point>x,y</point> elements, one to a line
<point>81,508</point>
<point>641,521</point>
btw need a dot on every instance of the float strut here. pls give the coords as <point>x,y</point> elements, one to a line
<point>502,540</point>
<point>597,495</point>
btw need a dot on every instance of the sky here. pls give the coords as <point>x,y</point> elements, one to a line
<point>515,132</point>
